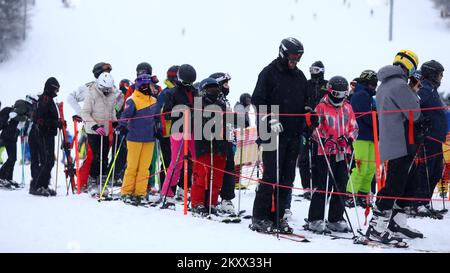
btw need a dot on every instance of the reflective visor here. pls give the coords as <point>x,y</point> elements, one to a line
<point>294,57</point>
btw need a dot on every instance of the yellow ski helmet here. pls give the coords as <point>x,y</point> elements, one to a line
<point>408,60</point>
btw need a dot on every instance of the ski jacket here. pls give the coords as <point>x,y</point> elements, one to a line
<point>335,122</point>
<point>362,102</point>
<point>9,131</point>
<point>140,117</point>
<point>177,96</point>
<point>98,109</point>
<point>429,97</point>
<point>47,117</point>
<point>79,95</point>
<point>394,94</point>
<point>242,117</point>
<point>317,88</point>
<point>277,85</point>
<point>203,146</point>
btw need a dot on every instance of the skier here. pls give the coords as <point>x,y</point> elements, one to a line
<point>141,132</point>
<point>334,135</point>
<point>317,88</point>
<point>242,109</point>
<point>181,95</point>
<point>74,99</point>
<point>431,172</point>
<point>211,152</point>
<point>98,110</point>
<point>12,121</point>
<point>227,191</point>
<point>388,222</point>
<point>364,149</point>
<point>48,123</point>
<point>280,84</point>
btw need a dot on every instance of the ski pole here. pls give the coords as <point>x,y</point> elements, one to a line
<point>211,176</point>
<point>57,160</point>
<point>22,138</point>
<point>326,201</point>
<point>335,183</point>
<point>101,167</point>
<point>310,167</point>
<point>428,177</point>
<point>240,169</point>
<point>351,186</point>
<point>277,212</point>
<point>113,165</point>
<point>162,159</point>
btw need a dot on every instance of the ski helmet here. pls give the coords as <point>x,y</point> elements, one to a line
<point>31,98</point>
<point>338,90</point>
<point>408,60</point>
<point>100,68</point>
<point>23,109</point>
<point>222,79</point>
<point>291,49</point>
<point>368,77</point>
<point>172,73</point>
<point>124,85</point>
<point>431,70</point>
<point>186,74</point>
<point>244,98</point>
<point>105,83</point>
<point>143,68</point>
<point>142,83</point>
<point>51,87</point>
<point>210,87</point>
<point>317,69</point>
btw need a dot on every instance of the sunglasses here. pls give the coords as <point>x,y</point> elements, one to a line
<point>316,70</point>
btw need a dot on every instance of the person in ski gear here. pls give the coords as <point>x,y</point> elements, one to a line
<point>242,109</point>
<point>74,99</point>
<point>12,122</point>
<point>98,110</point>
<point>48,122</point>
<point>364,150</point>
<point>139,121</point>
<point>316,90</point>
<point>280,84</point>
<point>228,185</point>
<point>431,172</point>
<point>181,95</point>
<point>206,179</point>
<point>335,134</point>
<point>398,147</point>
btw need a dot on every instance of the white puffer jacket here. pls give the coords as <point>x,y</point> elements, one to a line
<point>98,109</point>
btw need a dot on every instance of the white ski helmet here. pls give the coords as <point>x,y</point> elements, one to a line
<point>105,82</point>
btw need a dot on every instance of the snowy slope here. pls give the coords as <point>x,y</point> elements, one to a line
<point>239,37</point>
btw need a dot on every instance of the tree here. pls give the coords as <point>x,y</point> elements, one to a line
<point>12,25</point>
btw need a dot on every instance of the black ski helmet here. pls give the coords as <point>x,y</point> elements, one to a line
<point>23,109</point>
<point>431,70</point>
<point>291,48</point>
<point>243,98</point>
<point>186,74</point>
<point>210,88</point>
<point>337,90</point>
<point>317,70</point>
<point>221,79</point>
<point>368,77</point>
<point>143,68</point>
<point>101,67</point>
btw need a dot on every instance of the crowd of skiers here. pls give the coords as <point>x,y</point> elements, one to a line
<point>312,123</point>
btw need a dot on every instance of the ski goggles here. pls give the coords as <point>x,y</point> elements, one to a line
<point>338,94</point>
<point>225,77</point>
<point>316,70</point>
<point>294,57</point>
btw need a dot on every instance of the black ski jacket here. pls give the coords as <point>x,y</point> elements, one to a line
<point>46,116</point>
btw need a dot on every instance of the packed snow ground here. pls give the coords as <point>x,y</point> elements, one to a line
<point>239,37</point>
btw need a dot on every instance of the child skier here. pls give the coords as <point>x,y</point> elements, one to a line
<point>138,118</point>
<point>210,151</point>
<point>335,133</point>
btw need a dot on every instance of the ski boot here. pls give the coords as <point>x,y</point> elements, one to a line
<point>317,226</point>
<point>51,191</point>
<point>400,228</point>
<point>199,211</point>
<point>363,202</point>
<point>127,198</point>
<point>378,228</point>
<point>41,192</point>
<point>339,226</point>
<point>349,202</point>
<point>263,226</point>
<point>307,195</point>
<point>284,227</point>
<point>169,204</point>
<point>226,207</point>
<point>287,215</point>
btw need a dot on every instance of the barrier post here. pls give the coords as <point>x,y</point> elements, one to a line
<point>185,160</point>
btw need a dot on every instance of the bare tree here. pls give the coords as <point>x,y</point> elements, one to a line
<point>13,24</point>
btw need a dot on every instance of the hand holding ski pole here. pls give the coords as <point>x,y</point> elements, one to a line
<point>275,125</point>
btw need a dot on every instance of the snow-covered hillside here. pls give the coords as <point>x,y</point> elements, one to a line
<point>239,37</point>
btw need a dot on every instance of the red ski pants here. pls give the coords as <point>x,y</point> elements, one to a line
<point>84,169</point>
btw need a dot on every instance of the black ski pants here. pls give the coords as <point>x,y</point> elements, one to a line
<point>48,144</point>
<point>95,141</point>
<point>435,166</point>
<point>399,183</point>
<point>288,152</point>
<point>37,155</point>
<point>7,169</point>
<point>228,185</point>
<point>340,173</point>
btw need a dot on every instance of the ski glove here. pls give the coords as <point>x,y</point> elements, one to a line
<point>12,115</point>
<point>329,144</point>
<point>99,129</point>
<point>77,118</point>
<point>343,142</point>
<point>275,125</point>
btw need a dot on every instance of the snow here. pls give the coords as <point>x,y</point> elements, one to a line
<point>239,37</point>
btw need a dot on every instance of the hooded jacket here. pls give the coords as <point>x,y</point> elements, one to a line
<point>394,94</point>
<point>98,109</point>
